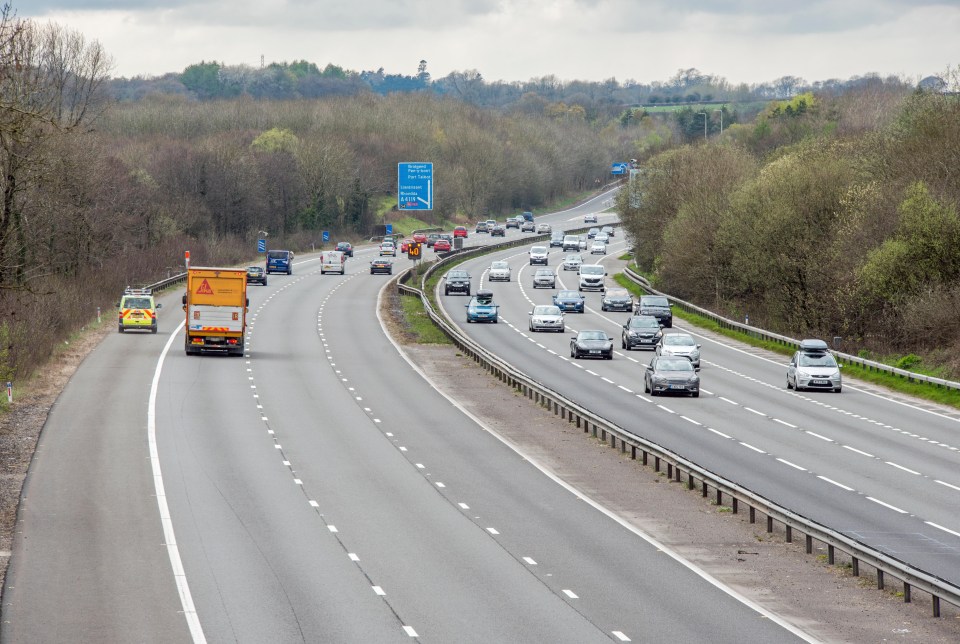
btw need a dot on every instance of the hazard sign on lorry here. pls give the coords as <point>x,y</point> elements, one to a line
<point>216,307</point>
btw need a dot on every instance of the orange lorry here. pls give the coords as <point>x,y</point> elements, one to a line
<point>216,306</point>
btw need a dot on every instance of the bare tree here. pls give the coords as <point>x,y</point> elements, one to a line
<point>50,79</point>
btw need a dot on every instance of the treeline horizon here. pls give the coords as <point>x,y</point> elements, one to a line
<point>827,216</point>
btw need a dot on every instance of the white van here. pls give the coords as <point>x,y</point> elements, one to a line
<point>571,243</point>
<point>332,261</point>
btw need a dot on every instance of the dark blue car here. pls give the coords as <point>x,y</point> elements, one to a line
<point>569,301</point>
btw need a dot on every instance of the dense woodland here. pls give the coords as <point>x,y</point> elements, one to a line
<point>825,217</point>
<point>99,193</point>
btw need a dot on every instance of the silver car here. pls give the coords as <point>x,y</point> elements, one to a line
<point>546,317</point>
<point>602,237</point>
<point>813,367</point>
<point>545,278</point>
<point>572,262</point>
<point>544,229</point>
<point>680,345</point>
<point>499,271</point>
<point>598,248</point>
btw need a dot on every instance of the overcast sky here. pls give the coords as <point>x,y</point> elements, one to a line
<point>748,41</point>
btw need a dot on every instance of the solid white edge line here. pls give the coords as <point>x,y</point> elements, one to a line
<point>703,574</point>
<point>179,574</point>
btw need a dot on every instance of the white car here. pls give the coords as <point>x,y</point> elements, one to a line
<point>590,218</point>
<point>499,271</point>
<point>539,255</point>
<point>602,237</point>
<point>544,229</point>
<point>572,262</point>
<point>387,248</point>
<point>598,248</point>
<point>680,344</point>
<point>546,317</point>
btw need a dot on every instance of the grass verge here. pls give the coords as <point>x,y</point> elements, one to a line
<point>419,323</point>
<point>917,389</point>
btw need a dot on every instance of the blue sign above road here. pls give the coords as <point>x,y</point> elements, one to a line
<point>415,186</point>
<point>619,168</point>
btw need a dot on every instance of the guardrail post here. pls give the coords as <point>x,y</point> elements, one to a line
<point>936,606</point>
<point>594,430</point>
<point>734,505</point>
<point>856,566</point>
<point>645,456</point>
<point>623,447</point>
<point>677,477</point>
<point>703,488</point>
<point>690,481</point>
<point>789,531</point>
<point>656,463</point>
<point>879,579</point>
<point>769,524</point>
<point>633,452</point>
<point>719,497</point>
<point>603,435</point>
<point>753,514</point>
<point>670,471</point>
<point>809,545</point>
<point>906,593</point>
<point>830,555</point>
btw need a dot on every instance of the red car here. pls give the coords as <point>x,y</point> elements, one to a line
<point>441,245</point>
<point>405,244</point>
<point>420,237</point>
<point>460,231</point>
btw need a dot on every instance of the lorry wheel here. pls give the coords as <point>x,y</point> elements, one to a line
<point>120,328</point>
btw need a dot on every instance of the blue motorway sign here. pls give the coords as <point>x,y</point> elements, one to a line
<point>619,168</point>
<point>261,245</point>
<point>415,186</point>
<point>326,235</point>
<point>389,229</point>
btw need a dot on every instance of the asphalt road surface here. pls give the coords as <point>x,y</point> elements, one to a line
<point>881,469</point>
<point>319,489</point>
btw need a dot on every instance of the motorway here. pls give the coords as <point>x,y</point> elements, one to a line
<point>318,489</point>
<point>882,470</point>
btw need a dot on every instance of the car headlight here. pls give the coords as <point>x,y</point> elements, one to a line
<point>695,355</point>
<point>658,378</point>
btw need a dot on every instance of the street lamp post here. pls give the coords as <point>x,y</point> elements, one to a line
<point>704,125</point>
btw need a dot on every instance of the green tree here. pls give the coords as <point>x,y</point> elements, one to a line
<point>203,79</point>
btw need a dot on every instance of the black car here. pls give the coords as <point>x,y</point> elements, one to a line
<point>657,306</point>
<point>498,231</point>
<point>671,375</point>
<point>556,238</point>
<point>256,275</point>
<point>381,265</point>
<point>641,331</point>
<point>431,238</point>
<point>457,281</point>
<point>591,344</point>
<point>346,248</point>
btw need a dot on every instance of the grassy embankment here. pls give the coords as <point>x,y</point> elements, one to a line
<point>896,383</point>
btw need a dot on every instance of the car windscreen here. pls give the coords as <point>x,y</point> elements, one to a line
<point>568,295</point>
<point>137,303</point>
<point>544,272</point>
<point>617,293</point>
<point>458,275</point>
<point>546,310</point>
<point>654,301</point>
<point>677,340</point>
<point>277,254</point>
<point>817,360</point>
<point>591,270</point>
<point>674,365</point>
<point>574,258</point>
<point>538,249</point>
<point>499,265</point>
<point>644,323</point>
<point>592,335</point>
